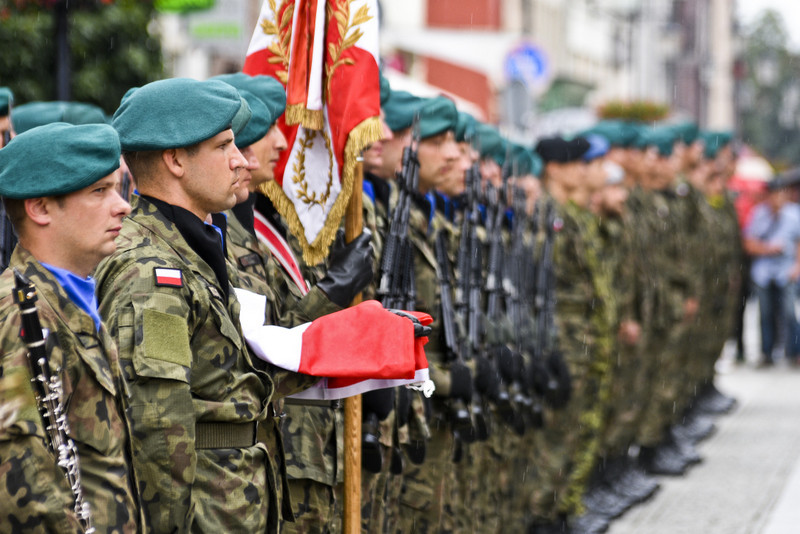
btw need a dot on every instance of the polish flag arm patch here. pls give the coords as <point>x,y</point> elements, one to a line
<point>168,277</point>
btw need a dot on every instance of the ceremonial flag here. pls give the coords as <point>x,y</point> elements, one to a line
<point>325,52</point>
<point>358,349</point>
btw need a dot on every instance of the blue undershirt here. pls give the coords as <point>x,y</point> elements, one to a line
<point>79,290</point>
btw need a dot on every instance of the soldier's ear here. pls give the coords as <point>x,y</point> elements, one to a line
<point>38,210</point>
<point>175,161</point>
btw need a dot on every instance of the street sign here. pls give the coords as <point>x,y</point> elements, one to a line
<point>526,63</point>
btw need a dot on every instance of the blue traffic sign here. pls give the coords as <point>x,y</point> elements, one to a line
<point>526,63</point>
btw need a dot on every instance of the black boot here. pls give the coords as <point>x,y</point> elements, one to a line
<point>713,401</point>
<point>634,483</point>
<point>662,460</point>
<point>696,426</point>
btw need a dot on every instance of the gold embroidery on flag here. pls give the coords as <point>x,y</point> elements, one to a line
<point>343,23</point>
<point>280,46</point>
<point>299,168</point>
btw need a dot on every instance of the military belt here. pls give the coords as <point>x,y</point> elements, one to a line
<point>334,404</point>
<point>225,435</point>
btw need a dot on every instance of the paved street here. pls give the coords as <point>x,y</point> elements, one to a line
<point>749,482</point>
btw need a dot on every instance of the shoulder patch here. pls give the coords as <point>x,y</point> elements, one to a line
<point>249,260</point>
<point>168,277</point>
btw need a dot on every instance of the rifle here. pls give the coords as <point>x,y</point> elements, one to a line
<point>549,377</point>
<point>469,285</point>
<point>48,390</point>
<point>460,416</point>
<point>397,289</point>
<point>517,287</point>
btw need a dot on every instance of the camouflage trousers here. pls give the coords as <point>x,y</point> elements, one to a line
<point>424,499</point>
<point>315,508</point>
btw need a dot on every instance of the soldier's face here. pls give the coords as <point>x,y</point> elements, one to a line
<point>212,175</point>
<point>246,174</point>
<point>437,158</point>
<point>268,151</point>
<point>6,132</point>
<point>392,152</point>
<point>613,198</point>
<point>97,212</point>
<point>373,154</point>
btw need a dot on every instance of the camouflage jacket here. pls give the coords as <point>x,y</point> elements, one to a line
<point>195,394</point>
<point>34,495</point>
<point>305,430</point>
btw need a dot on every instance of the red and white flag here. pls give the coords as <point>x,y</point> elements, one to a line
<point>358,349</point>
<point>325,52</point>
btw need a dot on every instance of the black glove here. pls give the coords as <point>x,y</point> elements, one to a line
<point>379,401</point>
<point>559,373</point>
<point>460,382</point>
<point>487,380</point>
<point>349,269</point>
<point>420,330</point>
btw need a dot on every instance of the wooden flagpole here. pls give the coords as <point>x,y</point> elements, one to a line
<point>352,405</point>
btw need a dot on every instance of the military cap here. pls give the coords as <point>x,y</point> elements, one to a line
<point>525,161</point>
<point>400,109</point>
<point>465,127</point>
<point>662,138</point>
<point>598,147</point>
<point>437,115</point>
<point>35,114</point>
<point>686,131</point>
<point>489,143</point>
<point>6,100</point>
<point>386,89</point>
<point>259,124</point>
<point>559,150</point>
<point>714,141</point>
<point>178,112</point>
<point>266,88</point>
<point>68,158</point>
<point>617,133</point>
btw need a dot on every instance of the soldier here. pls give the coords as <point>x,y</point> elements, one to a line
<point>312,437</point>
<point>169,300</point>
<point>7,238</point>
<point>73,186</point>
<point>568,443</point>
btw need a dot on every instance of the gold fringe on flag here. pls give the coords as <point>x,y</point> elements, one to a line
<point>364,134</point>
<point>311,119</point>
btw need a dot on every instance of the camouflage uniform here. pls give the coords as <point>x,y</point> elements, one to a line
<point>569,443</point>
<point>196,396</point>
<point>304,463</point>
<point>34,495</point>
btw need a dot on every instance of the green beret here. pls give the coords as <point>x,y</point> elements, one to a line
<point>68,158</point>
<point>686,131</point>
<point>386,90</point>
<point>178,112</point>
<point>617,133</point>
<point>258,126</point>
<point>662,138</point>
<point>714,141</point>
<point>266,88</point>
<point>437,115</point>
<point>465,127</point>
<point>400,109</point>
<point>489,143</point>
<point>35,114</point>
<point>6,100</point>
<point>525,161</point>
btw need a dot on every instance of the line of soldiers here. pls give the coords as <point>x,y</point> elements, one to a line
<point>581,289</point>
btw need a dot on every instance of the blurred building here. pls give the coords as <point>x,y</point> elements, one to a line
<point>532,66</point>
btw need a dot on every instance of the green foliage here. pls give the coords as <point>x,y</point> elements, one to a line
<point>636,111</point>
<point>770,115</point>
<point>111,50</point>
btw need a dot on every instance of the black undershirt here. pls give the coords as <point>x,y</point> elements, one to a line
<point>201,237</point>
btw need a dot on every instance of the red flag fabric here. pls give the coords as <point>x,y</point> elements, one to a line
<point>326,54</point>
<point>358,349</point>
